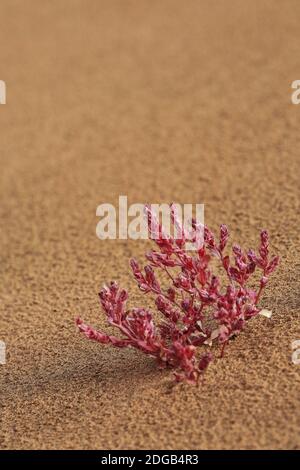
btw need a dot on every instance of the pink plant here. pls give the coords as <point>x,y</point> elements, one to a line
<point>197,308</point>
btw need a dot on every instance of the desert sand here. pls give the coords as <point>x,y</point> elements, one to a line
<point>160,101</point>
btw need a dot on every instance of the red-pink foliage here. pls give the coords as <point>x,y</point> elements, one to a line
<point>197,308</point>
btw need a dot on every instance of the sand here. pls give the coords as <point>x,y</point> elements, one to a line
<point>160,101</point>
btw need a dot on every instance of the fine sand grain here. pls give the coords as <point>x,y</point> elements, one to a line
<point>158,100</point>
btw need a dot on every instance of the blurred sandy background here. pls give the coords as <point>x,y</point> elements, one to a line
<point>160,100</point>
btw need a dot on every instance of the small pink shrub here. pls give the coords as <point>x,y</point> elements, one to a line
<point>197,308</point>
